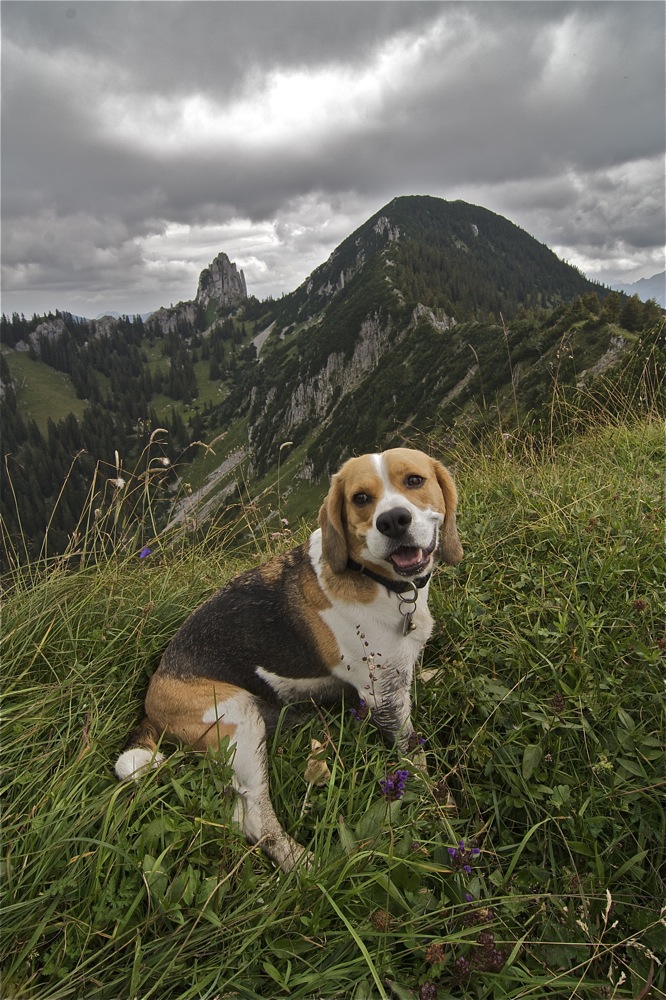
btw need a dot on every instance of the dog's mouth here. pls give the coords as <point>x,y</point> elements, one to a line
<point>408,560</point>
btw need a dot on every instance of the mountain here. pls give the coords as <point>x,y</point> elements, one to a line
<point>460,257</point>
<point>434,320</point>
<point>112,314</point>
<point>646,288</point>
<point>400,327</point>
<point>221,281</point>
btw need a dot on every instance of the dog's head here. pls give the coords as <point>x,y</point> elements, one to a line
<point>395,510</point>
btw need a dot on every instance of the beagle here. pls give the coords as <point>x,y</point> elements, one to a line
<point>345,611</point>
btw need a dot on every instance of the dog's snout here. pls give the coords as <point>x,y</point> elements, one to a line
<point>394,523</point>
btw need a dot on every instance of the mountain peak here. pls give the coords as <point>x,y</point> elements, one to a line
<point>449,255</point>
<point>223,281</point>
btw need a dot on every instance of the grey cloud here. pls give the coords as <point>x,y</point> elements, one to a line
<point>198,45</point>
<point>526,108</point>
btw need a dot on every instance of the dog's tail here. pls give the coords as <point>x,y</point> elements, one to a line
<point>140,753</point>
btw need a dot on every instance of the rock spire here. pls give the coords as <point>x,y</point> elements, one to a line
<point>223,281</point>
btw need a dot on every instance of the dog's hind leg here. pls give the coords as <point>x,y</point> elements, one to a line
<point>254,810</point>
<point>202,713</point>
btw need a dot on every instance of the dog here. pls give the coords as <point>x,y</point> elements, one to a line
<point>346,612</point>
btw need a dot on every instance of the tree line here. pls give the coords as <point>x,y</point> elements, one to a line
<point>46,473</point>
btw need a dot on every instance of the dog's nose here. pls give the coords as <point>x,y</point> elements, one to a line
<point>394,523</point>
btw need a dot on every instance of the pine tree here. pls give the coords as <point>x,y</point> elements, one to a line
<point>631,316</point>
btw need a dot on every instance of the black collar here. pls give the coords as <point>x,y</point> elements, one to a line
<point>397,586</point>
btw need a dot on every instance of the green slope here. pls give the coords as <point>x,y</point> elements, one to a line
<point>540,701</point>
<point>41,391</point>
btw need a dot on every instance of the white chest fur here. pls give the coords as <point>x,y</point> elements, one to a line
<point>375,657</point>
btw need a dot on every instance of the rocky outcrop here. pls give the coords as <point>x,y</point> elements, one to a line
<point>223,281</point>
<point>105,326</point>
<point>617,347</point>
<point>436,317</point>
<point>51,329</point>
<point>262,337</point>
<point>220,281</point>
<point>313,398</point>
<point>168,318</point>
<point>383,225</point>
<point>336,280</point>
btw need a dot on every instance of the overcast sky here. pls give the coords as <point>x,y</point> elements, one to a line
<point>142,137</point>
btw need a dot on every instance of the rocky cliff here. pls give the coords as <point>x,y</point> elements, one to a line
<point>223,281</point>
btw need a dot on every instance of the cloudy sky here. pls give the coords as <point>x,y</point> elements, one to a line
<point>142,137</point>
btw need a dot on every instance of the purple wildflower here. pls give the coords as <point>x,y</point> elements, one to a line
<point>435,953</point>
<point>382,920</point>
<point>476,913</point>
<point>462,857</point>
<point>415,741</point>
<point>488,957</point>
<point>360,713</point>
<point>145,552</point>
<point>441,792</point>
<point>393,785</point>
<point>461,969</point>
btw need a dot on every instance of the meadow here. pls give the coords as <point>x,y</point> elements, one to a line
<point>540,703</point>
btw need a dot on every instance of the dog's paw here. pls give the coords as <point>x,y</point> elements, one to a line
<point>288,854</point>
<point>300,861</point>
<point>305,864</point>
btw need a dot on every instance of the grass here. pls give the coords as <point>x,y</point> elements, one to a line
<point>540,698</point>
<point>42,392</point>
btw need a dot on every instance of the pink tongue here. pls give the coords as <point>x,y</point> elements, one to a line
<point>405,556</point>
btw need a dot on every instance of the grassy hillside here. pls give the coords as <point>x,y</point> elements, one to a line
<point>540,699</point>
<point>41,391</point>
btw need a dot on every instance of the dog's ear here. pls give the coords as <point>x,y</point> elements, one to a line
<point>333,537</point>
<point>450,549</point>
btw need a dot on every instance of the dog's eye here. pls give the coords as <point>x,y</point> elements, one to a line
<point>415,481</point>
<point>361,498</point>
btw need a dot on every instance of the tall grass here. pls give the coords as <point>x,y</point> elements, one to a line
<point>540,699</point>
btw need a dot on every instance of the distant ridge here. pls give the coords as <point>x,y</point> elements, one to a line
<point>112,314</point>
<point>646,288</point>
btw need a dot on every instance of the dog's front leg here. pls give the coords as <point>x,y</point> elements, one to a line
<point>390,709</point>
<point>390,703</point>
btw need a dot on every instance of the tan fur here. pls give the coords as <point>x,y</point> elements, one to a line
<point>177,707</point>
<point>271,571</point>
<point>450,548</point>
<point>333,531</point>
<point>344,525</point>
<point>315,601</point>
<point>350,588</point>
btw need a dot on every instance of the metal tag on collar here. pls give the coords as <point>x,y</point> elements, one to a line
<point>407,608</point>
